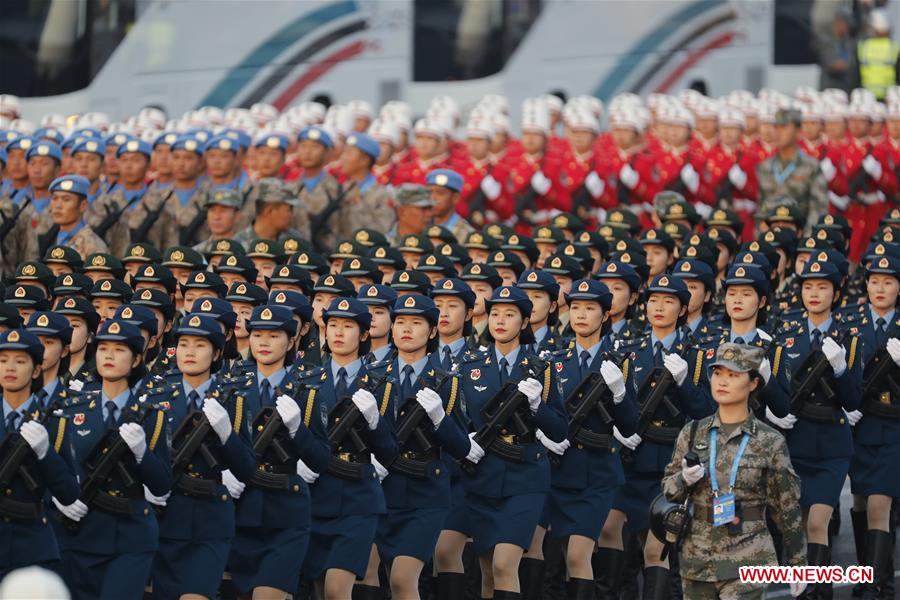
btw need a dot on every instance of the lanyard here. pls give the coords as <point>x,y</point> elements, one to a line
<point>781,175</point>
<point>713,482</point>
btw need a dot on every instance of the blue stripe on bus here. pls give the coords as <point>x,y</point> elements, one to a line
<point>266,53</point>
<point>646,46</point>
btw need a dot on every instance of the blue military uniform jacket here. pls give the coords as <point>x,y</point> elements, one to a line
<point>494,476</point>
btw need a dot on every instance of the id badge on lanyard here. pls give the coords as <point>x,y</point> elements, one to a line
<point>724,503</point>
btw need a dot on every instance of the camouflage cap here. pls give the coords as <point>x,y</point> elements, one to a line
<point>413,195</point>
<point>277,194</point>
<point>788,116</point>
<point>229,198</point>
<point>739,357</point>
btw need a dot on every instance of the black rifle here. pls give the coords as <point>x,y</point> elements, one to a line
<point>271,435</point>
<point>654,391</point>
<point>110,456</point>
<point>591,394</point>
<point>816,367</point>
<point>879,378</point>
<point>189,232</point>
<point>195,435</point>
<point>17,455</point>
<point>113,215</point>
<point>409,425</point>
<point>47,238</point>
<point>345,428</point>
<point>139,234</point>
<point>6,224</point>
<point>504,411</point>
<point>318,224</point>
<point>856,184</point>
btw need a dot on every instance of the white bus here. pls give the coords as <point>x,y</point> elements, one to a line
<point>117,56</point>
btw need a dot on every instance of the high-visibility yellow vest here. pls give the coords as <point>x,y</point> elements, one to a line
<point>877,64</point>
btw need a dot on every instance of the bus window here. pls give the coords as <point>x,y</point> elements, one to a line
<point>794,37</point>
<point>468,39</point>
<point>50,47</point>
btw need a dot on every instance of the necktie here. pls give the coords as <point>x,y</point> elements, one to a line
<point>585,362</point>
<point>265,393</point>
<point>445,360</point>
<point>41,398</point>
<point>504,370</point>
<point>111,410</point>
<point>657,354</point>
<point>340,386</point>
<point>880,333</point>
<point>194,400</point>
<point>11,420</point>
<point>370,358</point>
<point>738,340</point>
<point>816,339</point>
<point>406,383</point>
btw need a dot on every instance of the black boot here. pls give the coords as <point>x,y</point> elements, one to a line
<point>366,592</point>
<point>879,555</point>
<point>634,564</point>
<point>859,522</point>
<point>504,595</point>
<point>656,583</point>
<point>818,555</point>
<point>531,579</point>
<point>450,586</point>
<point>607,564</point>
<point>580,589</point>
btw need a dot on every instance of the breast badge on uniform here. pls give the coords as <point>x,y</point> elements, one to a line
<point>475,374</point>
<point>78,419</point>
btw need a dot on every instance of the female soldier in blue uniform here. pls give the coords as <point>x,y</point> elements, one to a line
<point>650,448</point>
<point>197,520</point>
<point>273,514</point>
<point>820,441</point>
<point>346,495</point>
<point>110,554</point>
<point>874,478</point>
<point>543,291</point>
<point>379,299</point>
<point>505,497</point>
<point>83,320</point>
<point>26,537</point>
<point>417,488</point>
<point>624,283</point>
<point>589,470</point>
<point>55,333</point>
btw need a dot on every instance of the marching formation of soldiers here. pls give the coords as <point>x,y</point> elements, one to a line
<point>334,354</point>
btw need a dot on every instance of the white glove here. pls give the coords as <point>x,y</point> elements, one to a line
<point>853,417</point>
<point>433,405</point>
<point>540,183</point>
<point>703,209</point>
<point>491,187</point>
<point>476,452</point>
<point>156,500</point>
<point>76,385</point>
<point>691,475</point>
<point>870,199</point>
<point>614,379</point>
<point>629,176</point>
<point>690,177</point>
<point>785,422</point>
<point>218,418</point>
<point>893,348</point>
<point>872,166</point>
<point>532,389</point>
<point>594,184</point>
<point>379,468</point>
<point>737,177</point>
<point>836,355</point>
<point>234,485</point>
<point>305,473</point>
<point>839,202</point>
<point>290,413</point>
<point>796,588</point>
<point>631,442</point>
<point>133,435</point>
<point>36,436</point>
<point>366,404</point>
<point>75,511</point>
<point>554,447</point>
<point>828,169</point>
<point>765,369</point>
<point>677,366</point>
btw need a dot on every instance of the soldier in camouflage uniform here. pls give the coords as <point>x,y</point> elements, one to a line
<point>68,204</point>
<point>274,217</point>
<point>222,219</point>
<point>765,482</point>
<point>18,244</point>
<point>790,172</point>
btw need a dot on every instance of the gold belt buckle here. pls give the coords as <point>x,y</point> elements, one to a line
<point>658,423</point>
<point>115,493</point>
<point>885,398</point>
<point>509,439</point>
<point>344,456</point>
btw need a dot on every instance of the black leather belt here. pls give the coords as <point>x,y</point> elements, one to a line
<point>880,409</point>
<point>661,434</point>
<point>820,413</point>
<point>594,441</point>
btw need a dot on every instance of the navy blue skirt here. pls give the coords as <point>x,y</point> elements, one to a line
<point>821,479</point>
<point>104,576</point>
<point>340,543</point>
<point>509,520</point>
<point>409,532</point>
<point>458,517</point>
<point>578,512</point>
<point>261,556</point>
<point>875,469</point>
<point>634,497</point>
<point>189,567</point>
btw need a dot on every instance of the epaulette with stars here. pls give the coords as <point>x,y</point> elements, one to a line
<point>304,372</point>
<point>473,355</point>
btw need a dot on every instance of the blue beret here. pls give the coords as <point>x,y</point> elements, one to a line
<point>510,295</point>
<point>117,139</point>
<point>3,157</point>
<point>589,289</point>
<point>166,139</point>
<point>222,142</point>
<point>819,269</point>
<point>139,146</point>
<point>278,318</point>
<point>451,286</point>
<point>51,324</point>
<point>316,134</point>
<point>219,309</point>
<point>667,284</point>
<point>365,144</point>
<point>272,140</point>
<point>70,141</point>
<point>416,305</point>
<point>9,135</point>
<point>619,270</point>
<point>120,331</point>
<point>241,137</point>
<point>75,184</point>
<point>297,302</point>
<point>204,326</point>
<point>91,145</point>
<point>539,280</point>
<point>44,148</point>
<point>189,143</point>
<point>376,294</point>
<point>445,178</point>
<point>49,133</point>
<point>19,339</point>
<point>349,308</point>
<point>747,275</point>
<point>21,142</point>
<point>89,132</point>
<point>139,316</point>
<point>199,133</point>
<point>695,269</point>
